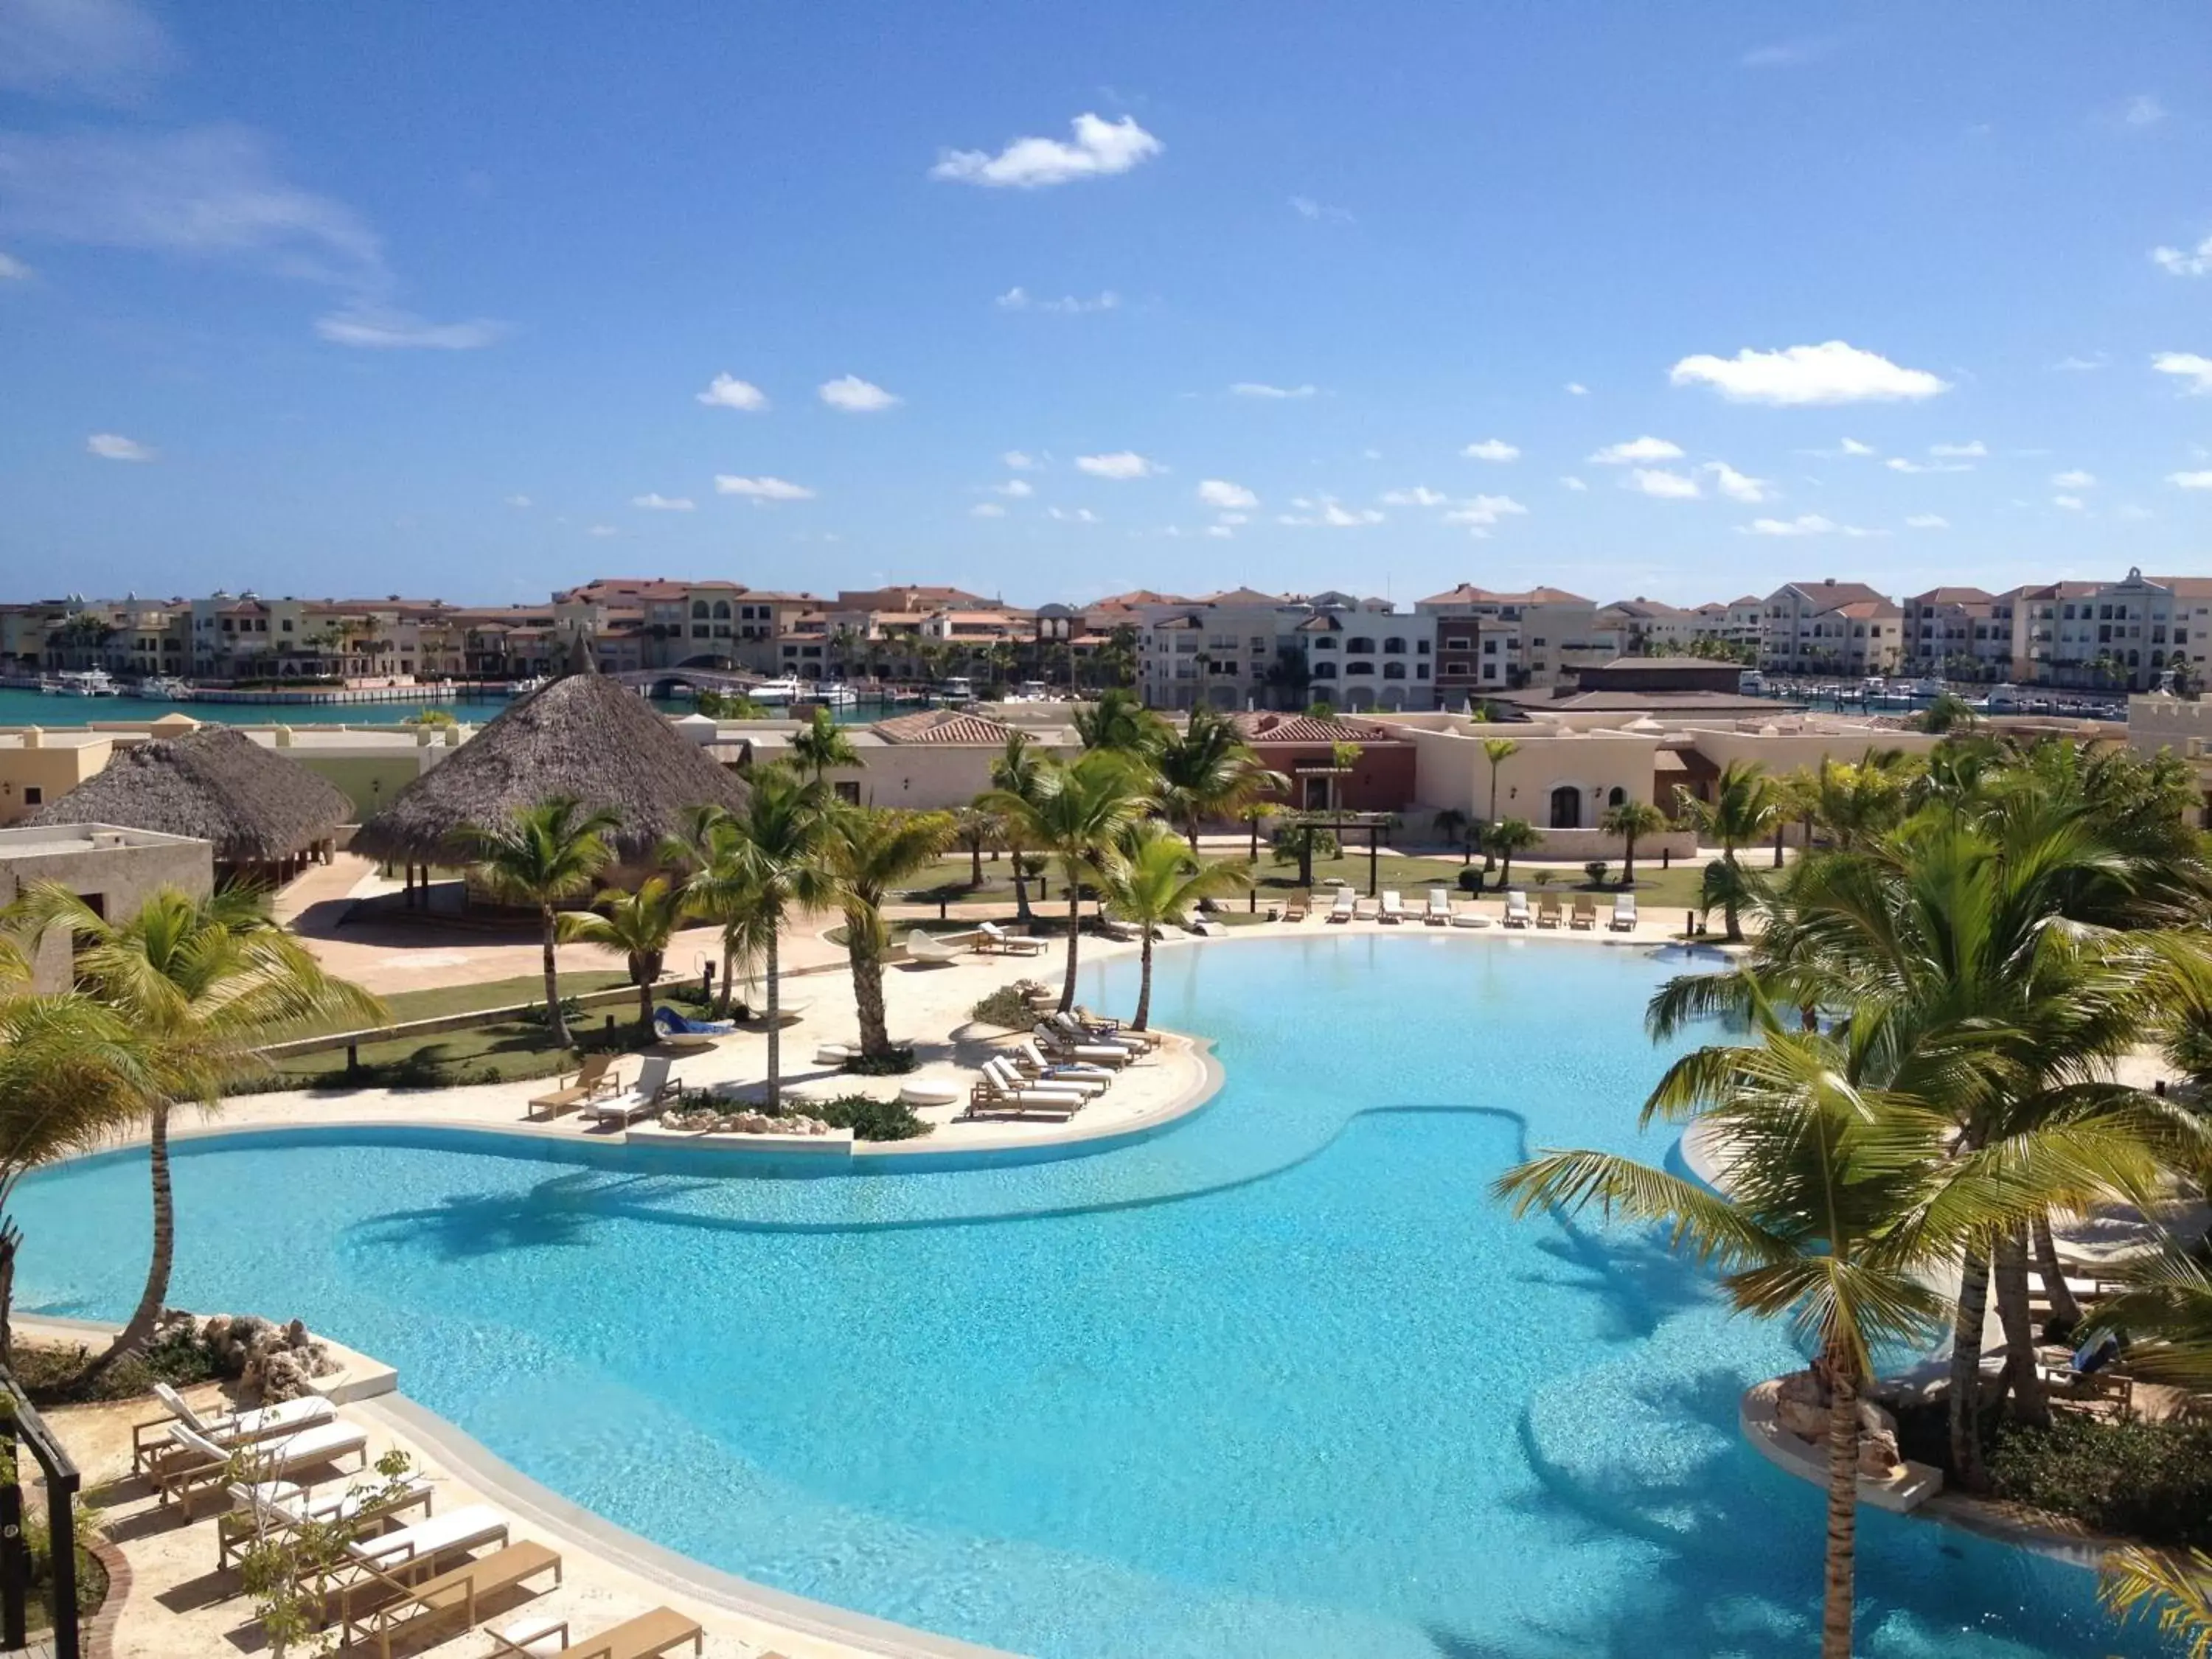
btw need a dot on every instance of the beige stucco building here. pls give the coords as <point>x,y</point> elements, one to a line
<point>112,870</point>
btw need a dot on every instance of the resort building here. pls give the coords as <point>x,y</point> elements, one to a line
<point>1538,638</point>
<point>112,868</point>
<point>1381,777</point>
<point>1830,627</point>
<point>40,764</point>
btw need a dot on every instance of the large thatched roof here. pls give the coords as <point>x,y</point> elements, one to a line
<point>584,736</point>
<point>215,783</point>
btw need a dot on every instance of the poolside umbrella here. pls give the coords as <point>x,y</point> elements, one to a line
<point>263,813</point>
<point>585,736</point>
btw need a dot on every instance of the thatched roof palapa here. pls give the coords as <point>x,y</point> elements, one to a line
<point>583,736</point>
<point>216,784</point>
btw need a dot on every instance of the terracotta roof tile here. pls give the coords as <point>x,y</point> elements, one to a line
<point>942,725</point>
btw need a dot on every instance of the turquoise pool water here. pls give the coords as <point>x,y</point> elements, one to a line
<point>1280,1380</point>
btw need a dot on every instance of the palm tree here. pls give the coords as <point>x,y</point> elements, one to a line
<point>1744,807</point>
<point>1452,824</point>
<point>975,829</point>
<point>718,892</point>
<point>1078,814</point>
<point>1498,751</point>
<point>1512,837</point>
<point>2177,1587</point>
<point>543,855</point>
<point>821,744</point>
<point>1631,820</point>
<point>1158,880</point>
<point>201,983</point>
<point>635,927</point>
<point>869,851</point>
<point>1119,721</point>
<point>776,866</point>
<point>1207,771</point>
<point>1832,1216</point>
<point>1015,772</point>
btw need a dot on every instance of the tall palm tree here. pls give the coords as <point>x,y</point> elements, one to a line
<point>1512,835</point>
<point>1078,814</point>
<point>1118,721</point>
<point>1015,772</point>
<point>2175,1587</point>
<point>202,983</point>
<point>1631,820</point>
<point>870,850</point>
<point>777,860</point>
<point>1156,881</point>
<point>540,857</point>
<point>1745,808</point>
<point>821,744</point>
<point>1207,771</point>
<point>717,891</point>
<point>1832,1216</point>
<point>1452,824</point>
<point>635,927</point>
<point>975,829</point>
<point>1497,751</point>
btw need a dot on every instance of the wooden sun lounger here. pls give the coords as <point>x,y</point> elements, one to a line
<point>1584,918</point>
<point>154,1442</point>
<point>1547,910</point>
<point>212,1467</point>
<point>594,1078</point>
<point>648,1636</point>
<point>394,1609</point>
<point>1296,909</point>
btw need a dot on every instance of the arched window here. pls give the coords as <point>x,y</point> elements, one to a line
<point>1367,668</point>
<point>1394,647</point>
<point>1360,642</point>
<point>1566,807</point>
<point>699,609</point>
<point>1392,671</point>
<point>721,610</point>
<point>1324,670</point>
<point>1616,796</point>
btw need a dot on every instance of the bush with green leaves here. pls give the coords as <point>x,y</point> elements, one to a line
<point>1596,871</point>
<point>2147,1482</point>
<point>1006,1008</point>
<point>896,1063</point>
<point>868,1118</point>
<point>1470,880</point>
<point>1284,839</point>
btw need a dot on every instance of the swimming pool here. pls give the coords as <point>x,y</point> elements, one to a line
<point>1280,1380</point>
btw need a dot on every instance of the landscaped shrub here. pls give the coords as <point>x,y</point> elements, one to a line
<point>897,1063</point>
<point>1470,880</point>
<point>175,1356</point>
<point>2151,1481</point>
<point>870,1119</point>
<point>1284,843</point>
<point>1596,871</point>
<point>1006,1008</point>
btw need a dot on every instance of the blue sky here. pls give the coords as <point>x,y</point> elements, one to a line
<point>425,297</point>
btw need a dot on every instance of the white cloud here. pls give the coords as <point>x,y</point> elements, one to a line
<point>603,531</point>
<point>114,447</point>
<point>1834,373</point>
<point>2190,480</point>
<point>763,488</point>
<point>1100,147</point>
<point>13,269</point>
<point>1326,511</point>
<point>728,392</point>
<point>854,395</point>
<point>656,503</point>
<point>1019,489</point>
<point>1219,532</point>
<point>1306,207</point>
<point>107,48</point>
<point>1220,493</point>
<point>1073,515</point>
<point>1572,482</point>
<point>1491,449</point>
<point>1974,450</point>
<point>381,328</point>
<point>2075,479</point>
<point>1120,466</point>
<point>518,501</point>
<point>987,510</point>
<point>1638,449</point>
<point>1666,486</point>
<point>1805,523</point>
<point>1019,461</point>
<point>1418,495</point>
<point>2192,262</point>
<point>1900,464</point>
<point>1735,485</point>
<point>2143,110</point>
<point>1068,305</point>
<point>1927,521</point>
<point>1576,389</point>
<point>1853,446</point>
<point>1482,512</point>
<point>2081,365</point>
<point>2196,369</point>
<point>1261,389</point>
<point>2071,503</point>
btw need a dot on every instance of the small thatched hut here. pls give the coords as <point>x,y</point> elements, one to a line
<point>267,816</point>
<point>583,736</point>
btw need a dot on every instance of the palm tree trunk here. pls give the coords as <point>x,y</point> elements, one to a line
<point>976,862</point>
<point>1144,982</point>
<point>1074,931</point>
<point>729,969</point>
<point>1842,1513</point>
<point>1628,861</point>
<point>774,1034</point>
<point>867,963</point>
<point>645,1005</point>
<point>147,1314</point>
<point>1730,911</point>
<point>1021,883</point>
<point>2065,1309</point>
<point>1966,1371</point>
<point>554,1020</point>
<point>2029,1403</point>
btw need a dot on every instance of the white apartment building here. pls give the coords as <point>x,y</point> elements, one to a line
<point>2128,633</point>
<point>1364,655</point>
<point>1830,627</point>
<point>1493,642</point>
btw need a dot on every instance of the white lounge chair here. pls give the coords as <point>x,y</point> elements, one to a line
<point>991,939</point>
<point>152,1442</point>
<point>1060,1044</point>
<point>1029,1059</point>
<point>1438,914</point>
<point>1468,915</point>
<point>1341,908</point>
<point>640,1098</point>
<point>274,1506</point>
<point>420,1544</point>
<point>211,1466</point>
<point>999,1091</point>
<point>1394,905</point>
<point>1517,909</point>
<point>1623,920</point>
<point>1083,1027</point>
<point>927,948</point>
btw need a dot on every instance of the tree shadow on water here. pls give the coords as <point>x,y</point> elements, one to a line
<point>1632,1276</point>
<point>561,1211</point>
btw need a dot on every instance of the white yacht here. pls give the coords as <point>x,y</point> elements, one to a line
<point>779,693</point>
<point>87,683</point>
<point>835,693</point>
<point>1750,683</point>
<point>956,688</point>
<point>2004,700</point>
<point>165,688</point>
